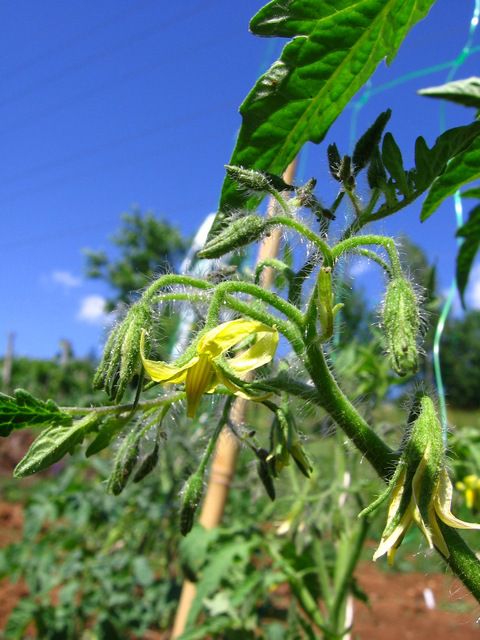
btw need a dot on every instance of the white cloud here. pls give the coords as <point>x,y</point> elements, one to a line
<point>66,279</point>
<point>92,310</point>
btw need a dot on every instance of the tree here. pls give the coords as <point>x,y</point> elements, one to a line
<point>148,246</point>
<point>461,361</point>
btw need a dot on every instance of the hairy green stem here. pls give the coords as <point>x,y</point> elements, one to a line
<point>123,408</point>
<point>387,243</point>
<point>371,255</point>
<point>226,288</point>
<point>332,399</point>
<point>306,233</point>
<point>462,560</point>
<point>173,279</point>
<point>273,263</point>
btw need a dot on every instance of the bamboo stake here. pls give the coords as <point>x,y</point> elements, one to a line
<point>226,452</point>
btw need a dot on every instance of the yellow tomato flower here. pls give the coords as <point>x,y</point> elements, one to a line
<point>470,486</point>
<point>209,367</point>
<point>399,518</point>
<point>420,490</point>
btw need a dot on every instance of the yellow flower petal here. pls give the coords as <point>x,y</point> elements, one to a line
<point>162,371</point>
<point>226,335</point>
<point>199,379</point>
<point>390,542</point>
<point>416,488</point>
<point>442,502</point>
<point>396,496</point>
<point>257,355</point>
<point>437,535</point>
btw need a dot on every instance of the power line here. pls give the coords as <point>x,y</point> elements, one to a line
<point>68,43</point>
<point>107,146</point>
<point>94,57</point>
<point>53,236</point>
<point>135,72</point>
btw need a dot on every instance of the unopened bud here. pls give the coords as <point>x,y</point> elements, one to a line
<point>265,474</point>
<point>249,178</point>
<point>334,161</point>
<point>326,310</point>
<point>121,356</point>
<point>148,464</point>
<point>369,141</point>
<point>401,322</point>
<point>125,462</point>
<point>192,495</point>
<point>239,233</point>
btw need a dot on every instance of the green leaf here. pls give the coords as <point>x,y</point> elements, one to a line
<point>52,444</point>
<point>393,162</point>
<point>465,92</point>
<point>470,231</point>
<point>108,432</point>
<point>21,616</point>
<point>472,193</point>
<point>431,163</point>
<point>463,168</point>
<point>336,47</point>
<point>369,141</point>
<point>23,410</point>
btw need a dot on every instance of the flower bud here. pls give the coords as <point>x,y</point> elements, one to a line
<point>125,462</point>
<point>265,473</point>
<point>249,178</point>
<point>192,495</point>
<point>121,356</point>
<point>148,464</point>
<point>325,308</point>
<point>420,490</point>
<point>401,323</point>
<point>238,234</point>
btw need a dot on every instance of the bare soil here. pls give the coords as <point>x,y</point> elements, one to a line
<point>397,609</point>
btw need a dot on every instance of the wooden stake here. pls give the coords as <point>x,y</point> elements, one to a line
<point>223,465</point>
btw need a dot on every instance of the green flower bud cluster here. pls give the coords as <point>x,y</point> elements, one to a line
<point>121,356</point>
<point>238,234</point>
<point>401,323</point>
<point>192,494</point>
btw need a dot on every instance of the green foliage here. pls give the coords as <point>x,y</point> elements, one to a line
<point>147,246</point>
<point>470,232</point>
<point>24,410</point>
<point>107,562</point>
<point>334,51</point>
<point>461,360</point>
<point>465,92</point>
<point>463,168</point>
<point>68,383</point>
<point>54,443</point>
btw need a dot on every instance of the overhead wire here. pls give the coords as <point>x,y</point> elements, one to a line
<point>106,51</point>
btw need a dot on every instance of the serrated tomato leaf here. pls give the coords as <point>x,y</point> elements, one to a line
<point>470,232</point>
<point>465,92</point>
<point>23,410</point>
<point>336,47</point>
<point>52,444</point>
<point>462,169</point>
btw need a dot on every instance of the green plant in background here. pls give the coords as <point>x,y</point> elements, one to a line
<point>238,325</point>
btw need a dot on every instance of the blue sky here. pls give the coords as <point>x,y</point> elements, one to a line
<point>113,103</point>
